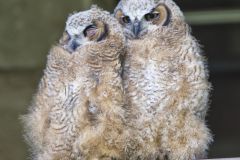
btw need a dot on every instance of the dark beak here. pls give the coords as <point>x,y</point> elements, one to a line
<point>74,45</point>
<point>136,27</point>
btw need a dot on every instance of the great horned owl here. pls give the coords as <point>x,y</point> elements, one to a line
<point>78,111</point>
<point>166,82</point>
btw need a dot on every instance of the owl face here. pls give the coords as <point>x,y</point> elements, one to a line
<point>139,17</point>
<point>87,27</point>
<point>85,34</point>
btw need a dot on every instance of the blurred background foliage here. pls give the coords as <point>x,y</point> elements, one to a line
<point>28,28</point>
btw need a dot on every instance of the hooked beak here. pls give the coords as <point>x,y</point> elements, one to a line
<point>71,44</point>
<point>136,28</point>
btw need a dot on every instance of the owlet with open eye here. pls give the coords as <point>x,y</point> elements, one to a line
<point>141,19</point>
<point>166,82</point>
<point>78,111</point>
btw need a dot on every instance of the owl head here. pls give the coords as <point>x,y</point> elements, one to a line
<point>88,28</point>
<point>139,17</point>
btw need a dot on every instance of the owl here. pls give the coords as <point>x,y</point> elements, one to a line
<point>166,82</point>
<point>78,111</point>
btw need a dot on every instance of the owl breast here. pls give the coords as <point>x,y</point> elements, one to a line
<point>148,82</point>
<point>157,76</point>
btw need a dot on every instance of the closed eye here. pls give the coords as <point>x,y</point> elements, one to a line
<point>89,30</point>
<point>97,31</point>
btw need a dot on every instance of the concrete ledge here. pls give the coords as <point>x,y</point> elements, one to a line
<point>225,159</point>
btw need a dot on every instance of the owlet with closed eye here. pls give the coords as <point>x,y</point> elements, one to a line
<point>166,82</point>
<point>78,111</point>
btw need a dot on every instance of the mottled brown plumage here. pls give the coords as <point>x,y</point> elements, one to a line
<point>78,111</point>
<point>166,82</point>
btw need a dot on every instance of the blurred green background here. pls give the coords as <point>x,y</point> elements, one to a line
<point>28,28</point>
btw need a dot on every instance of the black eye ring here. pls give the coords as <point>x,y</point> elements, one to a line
<point>126,19</point>
<point>87,28</point>
<point>151,16</point>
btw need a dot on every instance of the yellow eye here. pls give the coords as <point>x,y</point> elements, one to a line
<point>126,19</point>
<point>123,19</point>
<point>151,16</point>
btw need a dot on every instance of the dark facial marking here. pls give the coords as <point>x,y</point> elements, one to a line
<point>126,19</point>
<point>104,34</point>
<point>89,30</point>
<point>151,16</point>
<point>169,15</point>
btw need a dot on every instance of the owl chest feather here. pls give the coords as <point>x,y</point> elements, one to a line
<point>149,76</point>
<point>158,77</point>
<point>147,88</point>
<point>65,98</point>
